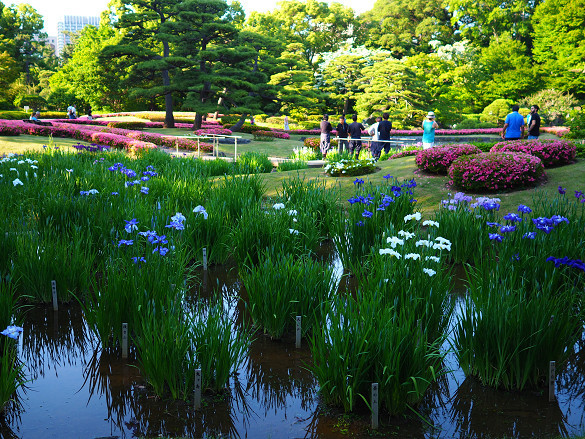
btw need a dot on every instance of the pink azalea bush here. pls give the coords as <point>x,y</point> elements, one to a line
<point>218,131</point>
<point>556,152</point>
<point>557,131</point>
<point>8,131</point>
<point>494,171</point>
<point>437,160</point>
<point>271,133</point>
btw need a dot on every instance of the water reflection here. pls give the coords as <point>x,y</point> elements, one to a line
<point>276,372</point>
<point>482,412</point>
<point>53,338</point>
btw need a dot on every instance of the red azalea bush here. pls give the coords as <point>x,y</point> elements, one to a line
<point>437,160</point>
<point>494,171</point>
<point>8,131</point>
<point>556,152</point>
<point>403,154</point>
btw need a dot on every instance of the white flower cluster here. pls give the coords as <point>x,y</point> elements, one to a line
<point>438,243</point>
<point>12,158</point>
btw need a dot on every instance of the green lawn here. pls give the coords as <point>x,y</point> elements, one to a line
<point>429,192</point>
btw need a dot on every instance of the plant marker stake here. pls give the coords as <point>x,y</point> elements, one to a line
<point>197,390</point>
<point>375,406</point>
<point>54,291</point>
<point>551,381</point>
<point>198,148</point>
<point>205,258</point>
<point>124,340</point>
<point>236,149</point>
<point>298,342</point>
<point>177,145</point>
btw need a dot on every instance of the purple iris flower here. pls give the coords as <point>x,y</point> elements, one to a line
<point>524,209</point>
<point>125,242</point>
<point>495,237</point>
<point>512,217</point>
<point>490,224</point>
<point>562,190</point>
<point>529,235</point>
<point>367,214</point>
<point>507,229</point>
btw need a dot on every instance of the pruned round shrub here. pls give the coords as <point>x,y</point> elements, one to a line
<point>555,152</point>
<point>437,160</point>
<point>349,168</point>
<point>127,125</point>
<point>494,171</point>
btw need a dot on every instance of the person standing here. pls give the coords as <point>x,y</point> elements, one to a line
<point>375,146</point>
<point>513,125</point>
<point>384,129</point>
<point>534,123</point>
<point>429,126</point>
<point>326,129</point>
<point>286,128</point>
<point>71,112</point>
<point>355,136</point>
<point>342,131</point>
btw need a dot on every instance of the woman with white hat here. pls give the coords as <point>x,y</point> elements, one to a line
<point>429,126</point>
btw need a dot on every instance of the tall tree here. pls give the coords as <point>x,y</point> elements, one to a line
<point>341,80</point>
<point>481,21</point>
<point>406,27</point>
<point>146,44</point>
<point>21,36</point>
<point>391,86</point>
<point>559,35</point>
<point>316,26</point>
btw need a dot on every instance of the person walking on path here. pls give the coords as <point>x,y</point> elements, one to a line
<point>326,129</point>
<point>513,125</point>
<point>375,146</point>
<point>534,123</point>
<point>286,123</point>
<point>429,126</point>
<point>355,134</point>
<point>342,132</point>
<point>384,129</point>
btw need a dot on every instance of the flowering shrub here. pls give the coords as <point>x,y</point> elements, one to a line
<point>551,152</point>
<point>313,143</point>
<point>494,171</point>
<point>218,131</point>
<point>8,131</point>
<point>437,160</point>
<point>263,136</point>
<point>129,125</point>
<point>557,131</point>
<point>350,167</point>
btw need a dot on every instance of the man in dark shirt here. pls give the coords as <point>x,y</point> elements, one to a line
<point>534,124</point>
<point>342,131</point>
<point>384,129</point>
<point>326,129</point>
<point>355,135</point>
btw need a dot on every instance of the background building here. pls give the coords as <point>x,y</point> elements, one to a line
<point>72,23</point>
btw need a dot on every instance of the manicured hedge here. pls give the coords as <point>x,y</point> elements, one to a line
<point>437,160</point>
<point>128,125</point>
<point>494,171</point>
<point>556,152</point>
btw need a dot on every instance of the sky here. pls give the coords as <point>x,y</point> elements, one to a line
<point>53,10</point>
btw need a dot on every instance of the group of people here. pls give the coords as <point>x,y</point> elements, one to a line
<point>514,126</point>
<point>350,135</point>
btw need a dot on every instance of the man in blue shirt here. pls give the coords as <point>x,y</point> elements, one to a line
<point>513,125</point>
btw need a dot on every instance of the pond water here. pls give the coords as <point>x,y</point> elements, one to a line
<point>78,392</point>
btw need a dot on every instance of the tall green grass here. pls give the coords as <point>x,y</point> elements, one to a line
<point>365,342</point>
<point>506,335</point>
<point>282,286</point>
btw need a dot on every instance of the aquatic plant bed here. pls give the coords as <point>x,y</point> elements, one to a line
<point>181,289</point>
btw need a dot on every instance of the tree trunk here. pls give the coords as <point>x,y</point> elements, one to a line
<point>169,118</point>
<point>239,123</point>
<point>346,106</point>
<point>198,121</point>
